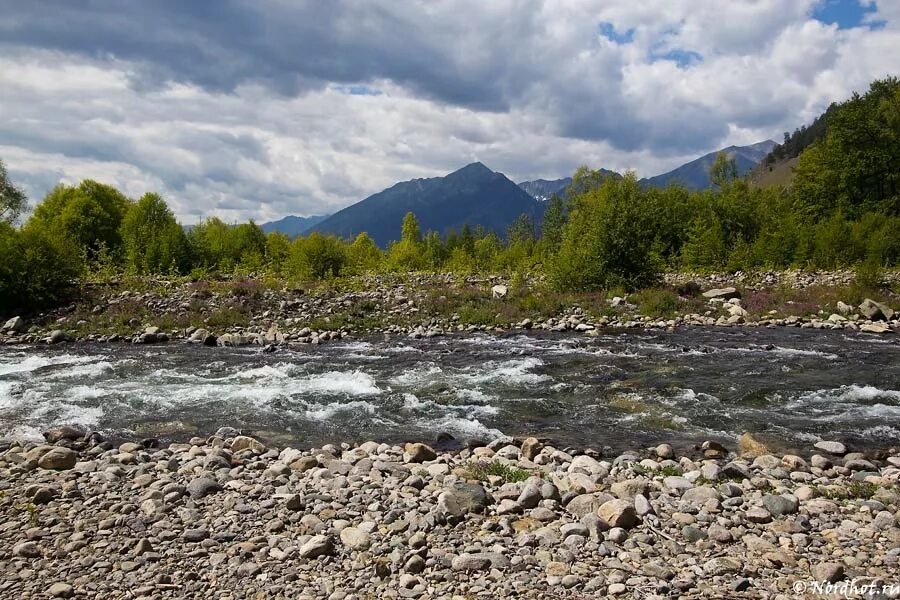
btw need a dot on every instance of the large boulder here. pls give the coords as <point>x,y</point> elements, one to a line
<point>875,311</point>
<point>726,293</point>
<point>418,453</point>
<point>460,499</point>
<point>749,445</point>
<point>58,459</point>
<point>15,325</point>
<point>618,513</point>
<point>245,442</point>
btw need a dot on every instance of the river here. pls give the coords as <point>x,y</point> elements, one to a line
<point>619,389</point>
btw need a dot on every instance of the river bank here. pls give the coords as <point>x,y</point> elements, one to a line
<point>516,518</point>
<point>264,311</point>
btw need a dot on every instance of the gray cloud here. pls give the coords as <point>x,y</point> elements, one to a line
<point>253,108</point>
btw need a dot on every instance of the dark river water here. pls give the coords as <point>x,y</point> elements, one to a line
<point>793,386</point>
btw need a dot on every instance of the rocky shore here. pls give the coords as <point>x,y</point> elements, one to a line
<point>245,312</point>
<point>227,517</point>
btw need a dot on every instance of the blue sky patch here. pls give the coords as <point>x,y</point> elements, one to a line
<point>845,14</point>
<point>683,58</point>
<point>608,30</point>
<point>358,90</point>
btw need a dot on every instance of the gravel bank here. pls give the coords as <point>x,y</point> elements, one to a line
<point>227,517</point>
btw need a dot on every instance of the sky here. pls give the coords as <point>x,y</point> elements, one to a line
<point>262,108</point>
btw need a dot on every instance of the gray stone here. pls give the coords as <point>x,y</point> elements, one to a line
<point>875,311</point>
<point>355,538</point>
<point>725,293</point>
<point>58,459</point>
<point>61,590</point>
<point>461,499</point>
<point>781,505</point>
<point>202,486</point>
<point>833,448</point>
<point>318,545</point>
<point>618,513</point>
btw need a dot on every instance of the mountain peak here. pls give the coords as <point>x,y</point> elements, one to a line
<point>472,195</point>
<point>473,169</point>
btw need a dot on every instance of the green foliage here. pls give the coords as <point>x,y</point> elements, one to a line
<point>89,216</point>
<point>856,166</point>
<point>153,241</point>
<point>608,240</point>
<point>224,248</point>
<point>482,471</point>
<point>656,302</point>
<point>12,198</point>
<point>36,269</point>
<point>316,256</point>
<point>363,255</point>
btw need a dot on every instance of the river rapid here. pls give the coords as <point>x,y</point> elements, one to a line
<point>619,389</point>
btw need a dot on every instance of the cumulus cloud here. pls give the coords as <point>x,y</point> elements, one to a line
<point>260,108</point>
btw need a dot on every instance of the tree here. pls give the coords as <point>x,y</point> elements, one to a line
<point>723,170</point>
<point>316,256</point>
<point>153,241</point>
<point>12,198</point>
<point>36,270</point>
<point>88,215</point>
<point>410,230</point>
<point>608,240</point>
<point>553,225</point>
<point>364,255</point>
<point>856,166</point>
<point>521,230</point>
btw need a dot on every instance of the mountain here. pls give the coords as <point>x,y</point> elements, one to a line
<point>777,168</point>
<point>543,189</point>
<point>695,174</point>
<point>293,226</point>
<point>473,195</point>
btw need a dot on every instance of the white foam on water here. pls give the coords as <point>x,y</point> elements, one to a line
<point>845,394</point>
<point>412,402</point>
<point>511,372</point>
<point>881,432</point>
<point>473,395</point>
<point>21,363</point>
<point>23,433</point>
<point>333,409</point>
<point>417,375</point>
<point>462,426</point>
<point>83,371</point>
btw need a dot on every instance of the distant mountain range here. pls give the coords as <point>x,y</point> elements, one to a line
<point>293,226</point>
<point>473,195</point>
<point>695,174</point>
<point>476,195</point>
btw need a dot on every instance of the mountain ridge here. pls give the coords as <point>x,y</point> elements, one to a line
<point>473,195</point>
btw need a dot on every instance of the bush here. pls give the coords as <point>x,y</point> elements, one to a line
<point>37,269</point>
<point>154,242</point>
<point>608,240</point>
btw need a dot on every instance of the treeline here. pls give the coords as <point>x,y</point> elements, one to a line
<point>843,209</point>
